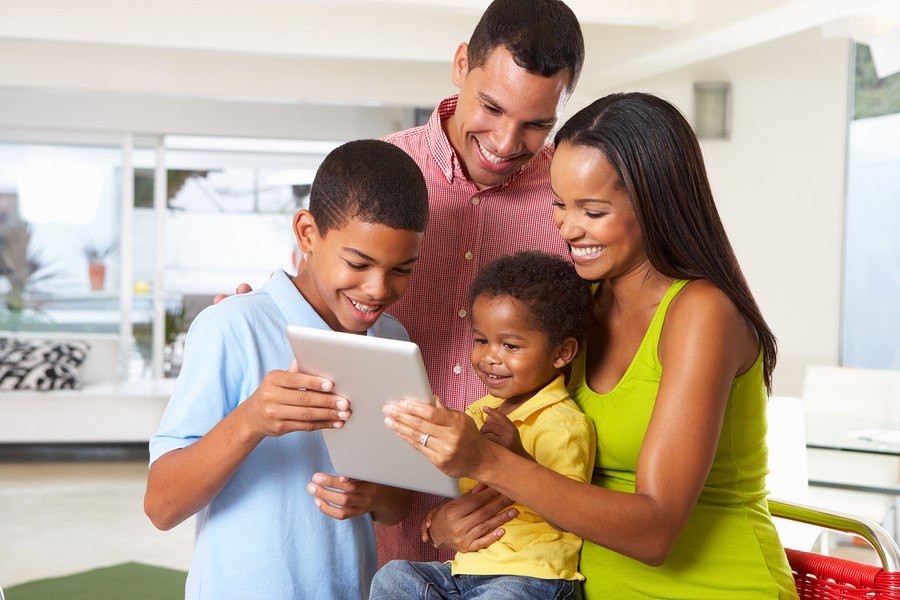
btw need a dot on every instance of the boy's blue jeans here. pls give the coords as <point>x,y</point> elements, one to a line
<point>400,579</point>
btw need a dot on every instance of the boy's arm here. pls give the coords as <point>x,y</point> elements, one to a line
<point>343,498</point>
<point>181,482</point>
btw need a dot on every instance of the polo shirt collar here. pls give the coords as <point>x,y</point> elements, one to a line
<point>553,392</point>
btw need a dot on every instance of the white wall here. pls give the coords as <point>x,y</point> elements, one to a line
<point>779,184</point>
<point>779,180</point>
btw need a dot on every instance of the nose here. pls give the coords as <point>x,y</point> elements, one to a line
<point>568,226</point>
<point>490,356</point>
<point>508,139</point>
<point>377,286</point>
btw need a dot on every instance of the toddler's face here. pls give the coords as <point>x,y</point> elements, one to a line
<point>512,359</point>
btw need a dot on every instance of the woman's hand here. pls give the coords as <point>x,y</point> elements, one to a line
<point>453,443</point>
<point>468,523</point>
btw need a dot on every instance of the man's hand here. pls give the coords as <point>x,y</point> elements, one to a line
<point>241,289</point>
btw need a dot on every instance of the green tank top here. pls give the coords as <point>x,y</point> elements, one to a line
<point>729,547</point>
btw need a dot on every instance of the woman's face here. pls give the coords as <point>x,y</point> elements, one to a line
<point>594,215</point>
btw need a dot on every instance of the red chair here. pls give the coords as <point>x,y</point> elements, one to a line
<point>821,577</point>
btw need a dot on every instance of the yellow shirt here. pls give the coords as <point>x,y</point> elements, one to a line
<point>559,436</point>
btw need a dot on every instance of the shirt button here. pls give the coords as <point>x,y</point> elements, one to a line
<point>476,200</point>
<point>457,369</point>
<point>462,313</point>
<point>469,256</point>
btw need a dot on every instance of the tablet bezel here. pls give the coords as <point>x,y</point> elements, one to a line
<point>370,372</point>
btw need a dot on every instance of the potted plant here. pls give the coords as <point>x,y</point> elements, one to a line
<point>96,255</point>
<point>21,268</point>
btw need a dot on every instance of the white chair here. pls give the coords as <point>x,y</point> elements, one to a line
<point>788,478</point>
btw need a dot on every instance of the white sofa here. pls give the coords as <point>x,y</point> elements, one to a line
<point>103,410</point>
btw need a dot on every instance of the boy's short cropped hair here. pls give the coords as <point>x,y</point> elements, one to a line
<point>372,181</point>
<point>543,36</point>
<point>558,300</point>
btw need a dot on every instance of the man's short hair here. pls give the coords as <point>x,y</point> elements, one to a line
<point>558,300</point>
<point>372,181</point>
<point>543,36</point>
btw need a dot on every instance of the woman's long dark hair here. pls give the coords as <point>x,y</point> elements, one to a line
<point>658,160</point>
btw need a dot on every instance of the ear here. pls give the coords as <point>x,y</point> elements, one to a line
<point>305,230</point>
<point>565,352</point>
<point>460,65</point>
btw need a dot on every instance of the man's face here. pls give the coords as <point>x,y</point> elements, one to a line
<point>504,115</point>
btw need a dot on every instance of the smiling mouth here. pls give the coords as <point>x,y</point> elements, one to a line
<point>493,378</point>
<point>491,157</point>
<point>366,309</point>
<point>586,251</point>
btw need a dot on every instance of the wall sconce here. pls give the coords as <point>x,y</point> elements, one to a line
<point>712,110</point>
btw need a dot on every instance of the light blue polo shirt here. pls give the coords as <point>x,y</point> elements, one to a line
<point>262,537</point>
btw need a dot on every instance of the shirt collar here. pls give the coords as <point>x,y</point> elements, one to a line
<point>553,392</point>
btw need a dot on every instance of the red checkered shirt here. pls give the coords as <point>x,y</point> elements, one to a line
<point>467,229</point>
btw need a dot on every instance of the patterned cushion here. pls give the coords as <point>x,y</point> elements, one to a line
<point>41,364</point>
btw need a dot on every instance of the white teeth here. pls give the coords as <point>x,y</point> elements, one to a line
<point>364,308</point>
<point>586,251</point>
<point>491,157</point>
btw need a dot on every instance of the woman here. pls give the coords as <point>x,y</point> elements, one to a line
<point>674,375</point>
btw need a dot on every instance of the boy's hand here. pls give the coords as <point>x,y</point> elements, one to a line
<point>500,430</point>
<point>341,497</point>
<point>289,401</point>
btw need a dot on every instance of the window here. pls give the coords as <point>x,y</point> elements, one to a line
<point>871,313</point>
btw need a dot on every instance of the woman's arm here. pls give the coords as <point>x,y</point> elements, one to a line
<point>704,345</point>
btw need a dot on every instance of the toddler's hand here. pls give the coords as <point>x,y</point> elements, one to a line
<point>500,430</point>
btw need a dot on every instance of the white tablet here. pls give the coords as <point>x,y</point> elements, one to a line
<point>370,372</point>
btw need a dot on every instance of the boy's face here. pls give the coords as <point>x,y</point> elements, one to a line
<point>354,272</point>
<point>512,359</point>
<point>504,115</point>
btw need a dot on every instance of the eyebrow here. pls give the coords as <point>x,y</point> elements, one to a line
<point>366,257</point>
<point>549,121</point>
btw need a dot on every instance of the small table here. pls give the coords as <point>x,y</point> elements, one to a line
<point>832,433</point>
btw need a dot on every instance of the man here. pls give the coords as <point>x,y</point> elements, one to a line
<point>487,168</point>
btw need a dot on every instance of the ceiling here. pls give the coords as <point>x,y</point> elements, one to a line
<point>369,52</point>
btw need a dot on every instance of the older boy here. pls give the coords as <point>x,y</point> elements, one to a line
<point>238,442</point>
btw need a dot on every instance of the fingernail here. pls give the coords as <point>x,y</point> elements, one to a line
<point>343,404</point>
<point>326,386</point>
<point>387,409</point>
<point>317,478</point>
<point>343,414</point>
<point>337,424</point>
<point>318,503</point>
<point>311,489</point>
<point>389,422</point>
<point>512,514</point>
<point>497,533</point>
